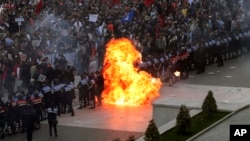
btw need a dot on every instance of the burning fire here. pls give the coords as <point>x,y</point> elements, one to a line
<point>177,73</point>
<point>125,84</point>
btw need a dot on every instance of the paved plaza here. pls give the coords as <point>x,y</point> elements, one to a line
<point>230,85</point>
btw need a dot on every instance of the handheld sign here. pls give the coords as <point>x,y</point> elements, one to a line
<point>19,20</point>
<point>41,78</point>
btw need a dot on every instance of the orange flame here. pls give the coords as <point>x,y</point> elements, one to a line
<point>124,83</point>
<point>177,73</point>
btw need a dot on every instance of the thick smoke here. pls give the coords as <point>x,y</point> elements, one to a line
<point>53,34</point>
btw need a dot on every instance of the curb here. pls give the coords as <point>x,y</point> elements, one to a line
<point>189,107</point>
<point>216,123</point>
<point>177,106</point>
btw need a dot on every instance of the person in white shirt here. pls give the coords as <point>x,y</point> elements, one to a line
<point>77,25</point>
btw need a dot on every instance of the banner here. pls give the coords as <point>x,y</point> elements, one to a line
<point>93,17</point>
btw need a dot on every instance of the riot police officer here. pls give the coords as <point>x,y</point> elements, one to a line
<point>100,87</point>
<point>12,115</point>
<point>21,106</point>
<point>157,65</point>
<point>57,95</point>
<point>83,91</point>
<point>68,97</point>
<point>92,90</point>
<point>29,121</point>
<point>47,98</point>
<point>219,48</point>
<point>37,106</point>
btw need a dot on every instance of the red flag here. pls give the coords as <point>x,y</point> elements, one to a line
<point>111,27</point>
<point>115,2</point>
<point>148,3</point>
<point>162,20</point>
<point>39,7</point>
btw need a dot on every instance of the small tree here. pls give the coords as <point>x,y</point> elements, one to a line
<point>209,105</point>
<point>183,120</point>
<point>152,132</point>
<point>131,138</point>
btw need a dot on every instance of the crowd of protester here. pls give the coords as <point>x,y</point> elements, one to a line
<point>56,40</point>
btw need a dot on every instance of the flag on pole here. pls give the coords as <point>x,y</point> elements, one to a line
<point>148,3</point>
<point>128,17</point>
<point>39,7</point>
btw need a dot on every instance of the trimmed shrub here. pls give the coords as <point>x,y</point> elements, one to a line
<point>209,105</point>
<point>152,132</point>
<point>183,120</point>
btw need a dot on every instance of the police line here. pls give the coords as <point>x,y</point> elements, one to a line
<point>184,52</point>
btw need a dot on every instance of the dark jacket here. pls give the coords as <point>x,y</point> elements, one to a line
<point>29,118</point>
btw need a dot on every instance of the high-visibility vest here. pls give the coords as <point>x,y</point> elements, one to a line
<point>22,103</point>
<point>37,100</point>
<point>14,104</point>
<point>2,109</point>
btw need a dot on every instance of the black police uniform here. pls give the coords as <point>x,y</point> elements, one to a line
<point>100,87</point>
<point>2,119</point>
<point>83,92</point>
<point>68,97</point>
<point>57,96</point>
<point>156,68</point>
<point>47,99</point>
<point>38,105</point>
<point>29,118</point>
<point>12,116</point>
<point>219,49</point>
<point>52,119</point>
<point>92,92</point>
<point>21,106</point>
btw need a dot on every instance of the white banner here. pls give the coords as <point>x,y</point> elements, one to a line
<point>93,17</point>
